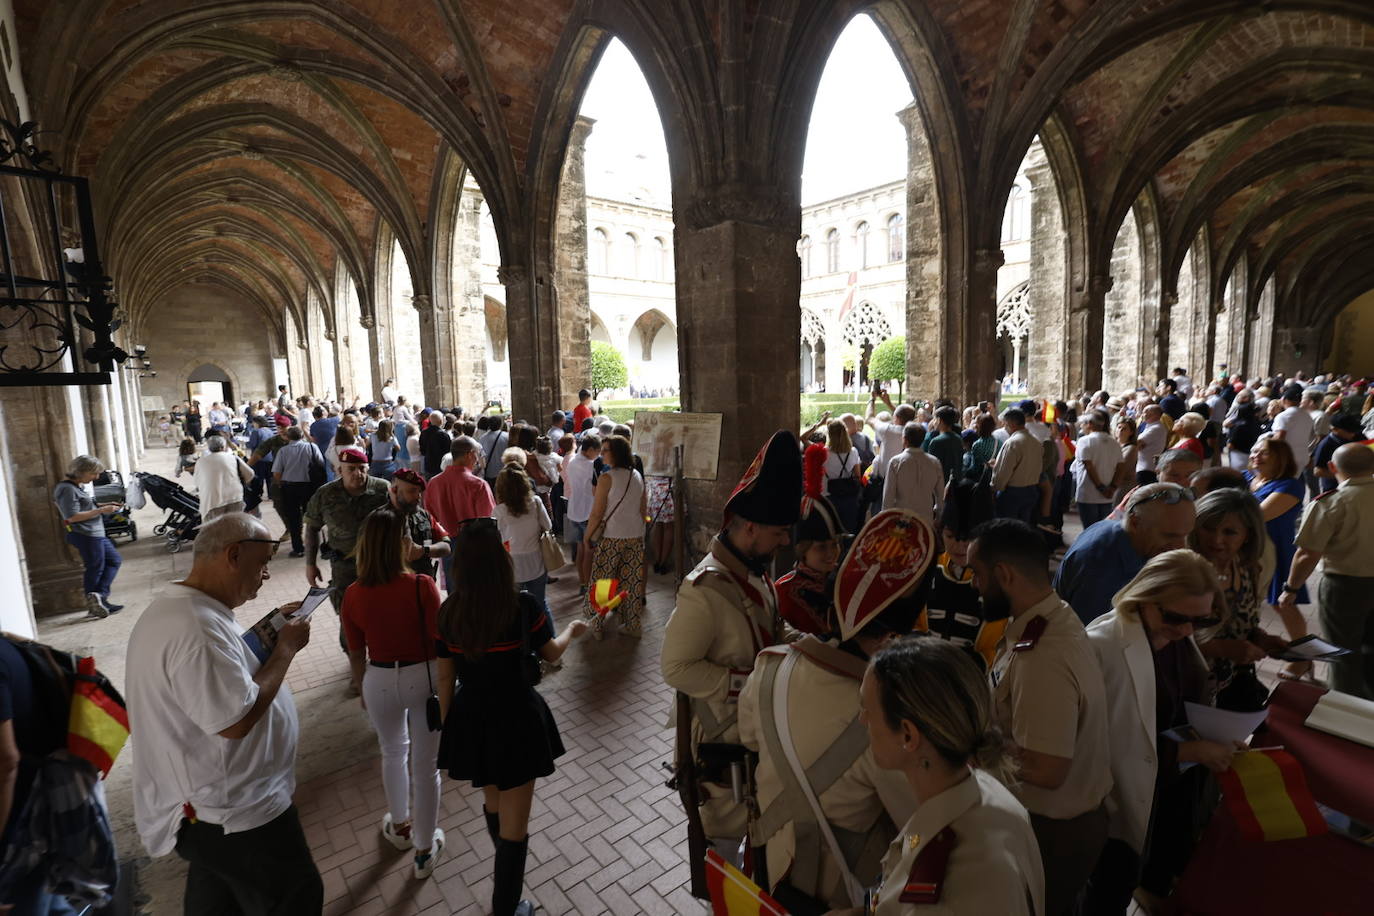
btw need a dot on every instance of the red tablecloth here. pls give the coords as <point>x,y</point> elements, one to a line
<point>1317,876</point>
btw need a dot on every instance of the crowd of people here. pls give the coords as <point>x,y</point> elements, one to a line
<point>960,695</point>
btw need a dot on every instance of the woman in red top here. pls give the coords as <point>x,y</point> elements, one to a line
<point>389,615</point>
<point>498,731</point>
<point>1188,427</point>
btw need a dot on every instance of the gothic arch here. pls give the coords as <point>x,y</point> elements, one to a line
<point>865,325</point>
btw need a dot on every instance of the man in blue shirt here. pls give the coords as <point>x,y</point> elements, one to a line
<point>1159,517</point>
<point>1344,428</point>
<point>322,431</point>
<point>1169,401</point>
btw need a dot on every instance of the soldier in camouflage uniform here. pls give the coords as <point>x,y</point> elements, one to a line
<point>341,505</point>
<point>429,541</point>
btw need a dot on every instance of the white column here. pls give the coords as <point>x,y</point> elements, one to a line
<point>16,611</point>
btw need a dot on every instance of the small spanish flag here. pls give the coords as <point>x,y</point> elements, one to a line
<point>732,894</point>
<point>1267,795</point>
<point>1050,412</point>
<point>606,596</point>
<point>98,724</point>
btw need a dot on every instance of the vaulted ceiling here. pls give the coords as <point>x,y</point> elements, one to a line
<point>262,144</point>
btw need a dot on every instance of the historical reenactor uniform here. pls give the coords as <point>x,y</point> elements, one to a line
<point>422,527</point>
<point>1048,697</point>
<point>341,514</point>
<point>1339,525</point>
<point>804,593</point>
<point>726,614</point>
<point>939,862</point>
<point>800,711</point>
<point>955,611</point>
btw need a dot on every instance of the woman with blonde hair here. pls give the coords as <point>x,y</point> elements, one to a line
<point>521,519</point>
<point>1151,667</point>
<point>929,716</point>
<point>842,470</point>
<point>1187,428</point>
<point>389,618</point>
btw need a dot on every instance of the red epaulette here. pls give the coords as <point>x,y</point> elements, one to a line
<point>1035,628</point>
<point>927,877</point>
<point>1322,496</point>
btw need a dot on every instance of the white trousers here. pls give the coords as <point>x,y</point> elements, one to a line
<point>396,705</point>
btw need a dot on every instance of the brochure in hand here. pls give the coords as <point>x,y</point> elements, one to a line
<point>1311,648</point>
<point>262,636</point>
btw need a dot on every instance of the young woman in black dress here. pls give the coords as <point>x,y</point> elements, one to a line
<point>498,731</point>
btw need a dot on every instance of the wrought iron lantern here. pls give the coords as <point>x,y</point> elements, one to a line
<point>51,280</point>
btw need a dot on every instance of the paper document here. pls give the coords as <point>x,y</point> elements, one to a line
<point>1223,725</point>
<point>1311,648</point>
<point>261,637</point>
<point>1344,715</point>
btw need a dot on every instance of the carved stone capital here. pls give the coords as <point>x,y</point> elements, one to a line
<point>1100,285</point>
<point>513,274</point>
<point>1168,299</point>
<point>300,342</point>
<point>368,322</point>
<point>421,302</point>
<point>329,334</point>
<point>988,261</point>
<point>738,201</point>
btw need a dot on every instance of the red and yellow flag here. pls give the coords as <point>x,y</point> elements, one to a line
<point>732,894</point>
<point>1267,795</point>
<point>606,595</point>
<point>98,726</point>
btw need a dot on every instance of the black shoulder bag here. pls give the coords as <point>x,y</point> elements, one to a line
<point>433,718</point>
<point>529,661</point>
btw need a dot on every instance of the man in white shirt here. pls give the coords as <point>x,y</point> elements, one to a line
<point>1183,382</point>
<point>1096,457</point>
<point>579,491</point>
<point>1150,439</point>
<point>556,430</point>
<point>914,479</point>
<point>214,757</point>
<point>888,433</point>
<point>220,477</point>
<point>1034,425</point>
<point>1294,426</point>
<point>389,393</point>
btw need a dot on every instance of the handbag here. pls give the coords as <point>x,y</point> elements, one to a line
<point>433,716</point>
<point>529,662</point>
<point>551,551</point>
<point>600,529</point>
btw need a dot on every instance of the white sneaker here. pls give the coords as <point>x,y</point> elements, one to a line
<point>425,862</point>
<point>95,606</point>
<point>398,838</point>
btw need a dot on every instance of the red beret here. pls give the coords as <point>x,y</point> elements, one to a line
<point>352,456</point>
<point>411,476</point>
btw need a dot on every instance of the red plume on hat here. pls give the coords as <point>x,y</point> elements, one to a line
<point>813,473</point>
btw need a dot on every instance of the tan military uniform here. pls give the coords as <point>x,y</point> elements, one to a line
<point>968,851</point>
<point>862,803</point>
<point>725,616</point>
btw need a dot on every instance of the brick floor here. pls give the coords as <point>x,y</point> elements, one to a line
<point>606,836</point>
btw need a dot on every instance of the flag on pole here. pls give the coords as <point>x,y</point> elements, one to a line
<point>732,894</point>
<point>852,288</point>
<point>606,595</point>
<point>1267,795</point>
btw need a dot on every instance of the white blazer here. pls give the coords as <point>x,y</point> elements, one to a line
<point>1128,669</point>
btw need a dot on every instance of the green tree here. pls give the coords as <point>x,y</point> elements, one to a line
<point>608,368</point>
<point>889,361</point>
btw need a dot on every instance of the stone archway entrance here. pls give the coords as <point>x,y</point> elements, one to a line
<point>208,383</point>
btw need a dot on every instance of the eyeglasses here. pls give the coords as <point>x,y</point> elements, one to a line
<point>276,544</point>
<point>1172,496</point>
<point>1175,619</point>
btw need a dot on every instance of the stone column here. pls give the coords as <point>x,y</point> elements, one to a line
<point>1048,364</point>
<point>928,304</point>
<point>739,328</point>
<point>978,381</point>
<point>531,343</point>
<point>468,326</point>
<point>1085,339</point>
<point>1295,350</point>
<point>1159,365</point>
<point>572,296</point>
<point>437,363</point>
<point>834,358</point>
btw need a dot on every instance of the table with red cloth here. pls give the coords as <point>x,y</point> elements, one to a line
<point>1327,875</point>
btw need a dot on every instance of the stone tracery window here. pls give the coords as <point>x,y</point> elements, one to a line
<point>861,245</point>
<point>812,330</point>
<point>832,251</point>
<point>866,325</point>
<point>1014,313</point>
<point>896,238</point>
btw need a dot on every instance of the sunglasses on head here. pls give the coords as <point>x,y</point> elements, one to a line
<point>1173,618</point>
<point>1174,495</point>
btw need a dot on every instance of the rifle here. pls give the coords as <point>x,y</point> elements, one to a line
<point>685,782</point>
<point>758,845</point>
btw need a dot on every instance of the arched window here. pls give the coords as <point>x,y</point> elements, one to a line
<point>1016,218</point>
<point>832,251</point>
<point>804,252</point>
<point>896,238</point>
<point>662,268</point>
<point>631,255</point>
<point>861,245</point>
<point>599,252</point>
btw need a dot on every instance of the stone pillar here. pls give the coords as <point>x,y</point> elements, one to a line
<point>928,301</point>
<point>380,353</point>
<point>1048,366</point>
<point>572,296</point>
<point>739,328</point>
<point>468,326</point>
<point>297,367</point>
<point>834,358</point>
<point>1159,364</point>
<point>437,363</point>
<point>531,343</point>
<point>1085,338</point>
<point>978,379</point>
<point>1295,350</point>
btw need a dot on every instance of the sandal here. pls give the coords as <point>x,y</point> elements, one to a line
<point>1298,671</point>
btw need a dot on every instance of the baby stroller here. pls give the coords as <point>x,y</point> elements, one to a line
<point>109,488</point>
<point>183,510</point>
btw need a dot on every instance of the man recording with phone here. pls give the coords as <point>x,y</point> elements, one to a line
<point>887,433</point>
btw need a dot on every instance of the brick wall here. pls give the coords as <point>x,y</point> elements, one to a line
<point>199,324</point>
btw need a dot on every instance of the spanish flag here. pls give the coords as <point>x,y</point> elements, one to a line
<point>1267,795</point>
<point>98,724</point>
<point>732,894</point>
<point>606,596</point>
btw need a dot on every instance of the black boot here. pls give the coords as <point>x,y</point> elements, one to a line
<point>493,825</point>
<point>510,879</point>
